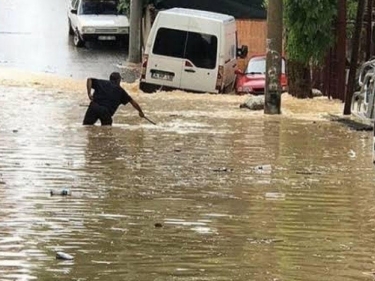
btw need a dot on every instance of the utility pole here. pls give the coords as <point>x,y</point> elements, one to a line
<point>354,57</point>
<point>135,55</point>
<point>272,103</point>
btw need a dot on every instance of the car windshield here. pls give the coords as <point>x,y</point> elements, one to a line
<point>258,66</point>
<point>96,7</point>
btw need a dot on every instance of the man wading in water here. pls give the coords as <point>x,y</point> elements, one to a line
<point>107,97</point>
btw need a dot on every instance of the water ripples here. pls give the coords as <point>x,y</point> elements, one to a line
<point>204,195</point>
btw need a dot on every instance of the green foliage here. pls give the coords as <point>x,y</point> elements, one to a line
<point>351,17</point>
<point>352,9</point>
<point>124,7</point>
<point>309,29</point>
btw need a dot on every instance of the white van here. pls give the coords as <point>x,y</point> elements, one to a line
<point>192,50</point>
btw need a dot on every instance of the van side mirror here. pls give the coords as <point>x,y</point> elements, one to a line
<point>73,11</point>
<point>242,52</point>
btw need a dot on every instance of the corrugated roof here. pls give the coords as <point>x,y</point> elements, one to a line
<point>240,9</point>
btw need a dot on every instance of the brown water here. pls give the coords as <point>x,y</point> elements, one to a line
<point>308,214</point>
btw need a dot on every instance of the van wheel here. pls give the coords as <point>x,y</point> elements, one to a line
<point>147,88</point>
<point>78,42</point>
<point>71,31</point>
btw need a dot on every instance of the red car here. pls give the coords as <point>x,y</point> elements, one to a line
<point>253,80</point>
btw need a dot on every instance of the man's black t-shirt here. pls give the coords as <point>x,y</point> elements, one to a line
<point>109,95</point>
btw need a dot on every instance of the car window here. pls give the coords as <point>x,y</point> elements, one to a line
<point>92,7</point>
<point>200,49</point>
<point>258,66</point>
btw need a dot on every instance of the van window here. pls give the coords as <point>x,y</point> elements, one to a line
<point>170,43</point>
<point>200,49</point>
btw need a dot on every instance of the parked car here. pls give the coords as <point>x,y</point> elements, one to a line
<point>191,50</point>
<point>96,20</point>
<point>253,79</point>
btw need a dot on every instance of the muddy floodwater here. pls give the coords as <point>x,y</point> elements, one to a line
<point>212,192</point>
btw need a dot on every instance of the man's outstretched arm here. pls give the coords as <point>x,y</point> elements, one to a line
<point>137,107</point>
<point>89,87</point>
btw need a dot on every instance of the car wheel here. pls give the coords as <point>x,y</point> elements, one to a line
<point>71,31</point>
<point>78,42</point>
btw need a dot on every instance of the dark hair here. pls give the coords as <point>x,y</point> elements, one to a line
<point>115,76</point>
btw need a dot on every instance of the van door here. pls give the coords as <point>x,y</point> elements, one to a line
<point>200,69</point>
<point>164,65</point>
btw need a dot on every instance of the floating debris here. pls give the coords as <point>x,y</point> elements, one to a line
<point>63,256</point>
<point>177,150</point>
<point>352,153</point>
<point>158,225</point>
<point>15,131</point>
<point>264,241</point>
<point>223,169</point>
<point>63,192</point>
<point>263,169</point>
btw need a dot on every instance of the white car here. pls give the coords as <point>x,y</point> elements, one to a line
<point>96,20</point>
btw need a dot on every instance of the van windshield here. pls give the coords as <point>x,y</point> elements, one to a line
<point>199,48</point>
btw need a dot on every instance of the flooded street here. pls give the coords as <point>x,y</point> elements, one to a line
<point>212,192</point>
<point>238,196</point>
<point>34,36</point>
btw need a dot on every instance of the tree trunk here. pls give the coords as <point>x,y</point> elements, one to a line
<point>370,5</point>
<point>299,80</point>
<point>354,57</point>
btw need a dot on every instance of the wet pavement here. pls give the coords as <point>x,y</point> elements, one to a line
<point>211,192</point>
<point>34,36</point>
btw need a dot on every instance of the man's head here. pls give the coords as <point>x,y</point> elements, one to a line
<point>115,78</point>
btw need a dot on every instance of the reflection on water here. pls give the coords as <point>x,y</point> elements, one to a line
<point>236,196</point>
